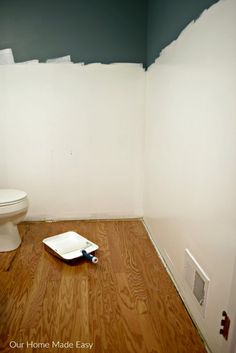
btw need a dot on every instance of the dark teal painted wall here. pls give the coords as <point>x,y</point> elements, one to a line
<point>90,30</point>
<point>166,20</point>
<point>94,30</point>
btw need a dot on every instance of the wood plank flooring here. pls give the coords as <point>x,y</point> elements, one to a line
<point>124,304</point>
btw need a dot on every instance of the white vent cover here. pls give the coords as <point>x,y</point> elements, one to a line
<point>197,280</point>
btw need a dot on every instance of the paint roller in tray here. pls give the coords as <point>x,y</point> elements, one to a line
<point>71,245</point>
<point>70,248</point>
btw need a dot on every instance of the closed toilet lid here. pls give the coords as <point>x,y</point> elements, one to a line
<point>11,196</point>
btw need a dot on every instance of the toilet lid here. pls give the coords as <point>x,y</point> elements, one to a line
<point>11,196</point>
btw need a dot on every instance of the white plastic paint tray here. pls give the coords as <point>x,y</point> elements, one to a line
<point>69,245</point>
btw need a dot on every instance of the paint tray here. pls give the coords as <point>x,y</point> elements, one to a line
<point>69,245</point>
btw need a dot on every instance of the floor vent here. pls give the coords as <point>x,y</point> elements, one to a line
<point>197,280</point>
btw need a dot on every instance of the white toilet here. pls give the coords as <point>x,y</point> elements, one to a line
<point>13,208</point>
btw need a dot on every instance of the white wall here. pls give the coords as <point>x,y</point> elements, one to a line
<point>72,138</point>
<point>190,181</point>
<point>2,130</point>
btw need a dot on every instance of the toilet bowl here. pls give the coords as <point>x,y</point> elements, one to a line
<point>13,208</point>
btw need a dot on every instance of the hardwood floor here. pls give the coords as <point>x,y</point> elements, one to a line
<point>126,303</point>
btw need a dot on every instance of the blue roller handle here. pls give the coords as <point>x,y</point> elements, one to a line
<point>90,257</point>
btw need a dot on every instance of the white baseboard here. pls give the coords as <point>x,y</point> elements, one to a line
<point>96,217</point>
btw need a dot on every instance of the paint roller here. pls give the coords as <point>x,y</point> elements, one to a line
<point>66,248</point>
<point>89,257</point>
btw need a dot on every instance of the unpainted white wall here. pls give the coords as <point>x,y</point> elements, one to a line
<point>72,138</point>
<point>2,129</point>
<point>190,158</point>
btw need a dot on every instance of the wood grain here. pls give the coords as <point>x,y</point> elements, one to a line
<point>124,304</point>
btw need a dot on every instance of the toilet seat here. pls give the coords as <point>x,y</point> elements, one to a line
<point>10,197</point>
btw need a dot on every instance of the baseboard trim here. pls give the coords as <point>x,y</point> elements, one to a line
<point>63,219</point>
<point>95,219</point>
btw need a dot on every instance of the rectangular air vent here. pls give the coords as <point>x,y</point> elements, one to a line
<point>197,280</point>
